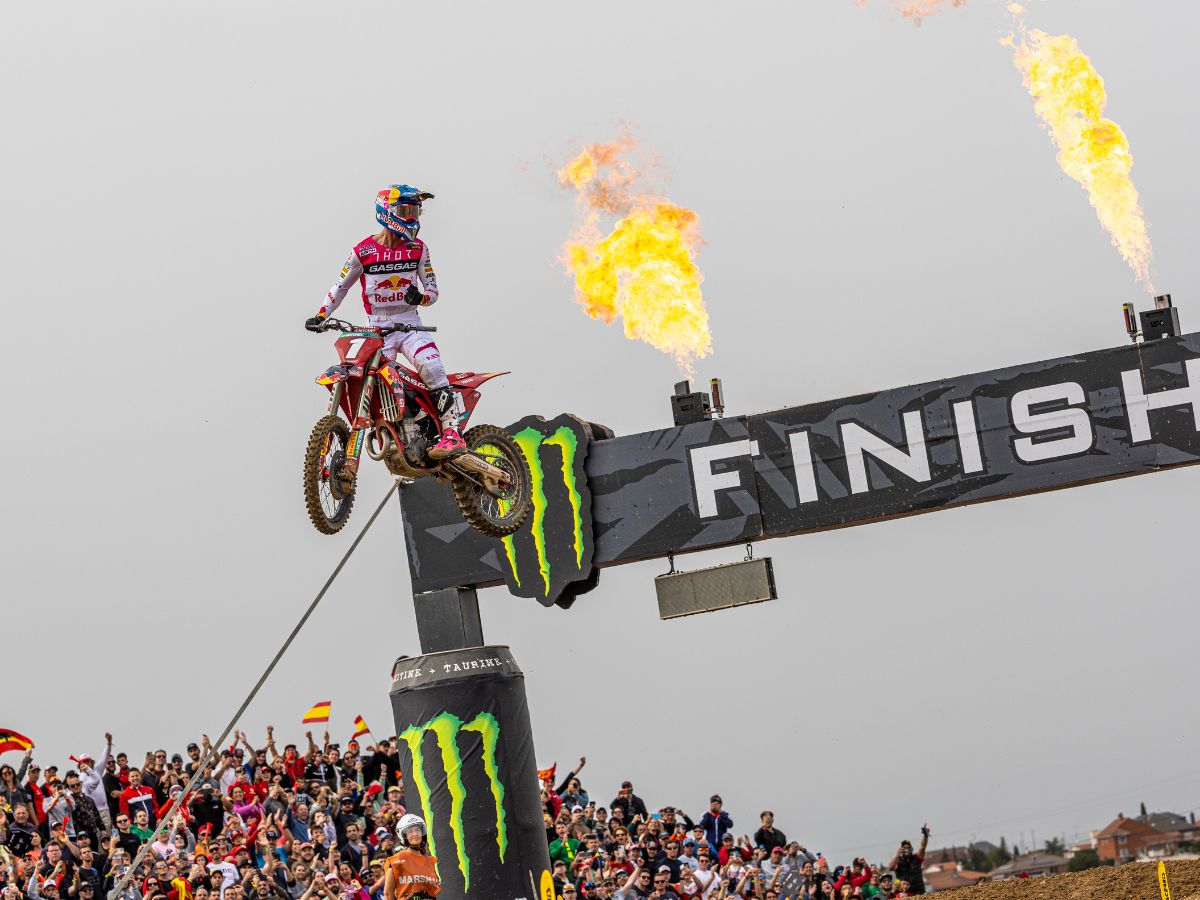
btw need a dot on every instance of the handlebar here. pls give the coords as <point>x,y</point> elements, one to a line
<point>344,327</point>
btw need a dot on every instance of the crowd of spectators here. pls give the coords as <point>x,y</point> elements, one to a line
<point>627,852</point>
<point>317,823</point>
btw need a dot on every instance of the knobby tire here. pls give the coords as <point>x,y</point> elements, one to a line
<point>314,463</point>
<point>470,496</point>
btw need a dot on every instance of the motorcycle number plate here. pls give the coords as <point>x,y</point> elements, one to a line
<point>358,349</point>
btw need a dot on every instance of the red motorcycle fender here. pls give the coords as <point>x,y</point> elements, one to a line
<point>334,374</point>
<point>472,379</point>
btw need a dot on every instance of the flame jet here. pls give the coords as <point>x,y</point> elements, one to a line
<point>917,10</point>
<point>644,269</point>
<point>1068,96</point>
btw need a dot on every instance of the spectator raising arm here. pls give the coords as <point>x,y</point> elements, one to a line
<point>626,891</point>
<point>241,736</point>
<point>908,866</point>
<point>25,761</point>
<point>91,773</point>
<point>567,780</point>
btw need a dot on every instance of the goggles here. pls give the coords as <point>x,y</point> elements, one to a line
<point>406,211</point>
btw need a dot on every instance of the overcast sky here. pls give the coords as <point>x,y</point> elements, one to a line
<point>182,181</point>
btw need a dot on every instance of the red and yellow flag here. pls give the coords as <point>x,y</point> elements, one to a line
<point>360,728</point>
<point>13,740</point>
<point>319,713</point>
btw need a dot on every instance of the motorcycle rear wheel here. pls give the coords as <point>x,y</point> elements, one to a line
<point>328,496</point>
<point>495,516</point>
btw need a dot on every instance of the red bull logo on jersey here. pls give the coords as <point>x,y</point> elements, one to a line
<point>391,289</point>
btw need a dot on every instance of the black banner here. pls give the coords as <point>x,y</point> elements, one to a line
<point>1034,427</point>
<point>466,751</point>
<point>553,548</point>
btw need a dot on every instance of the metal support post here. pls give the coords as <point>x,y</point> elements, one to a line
<point>448,619</point>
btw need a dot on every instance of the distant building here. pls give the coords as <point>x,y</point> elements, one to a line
<point>1160,847</point>
<point>1089,844</point>
<point>1183,828</point>
<point>1032,864</point>
<point>946,876</point>
<point>1125,839</point>
<point>957,854</point>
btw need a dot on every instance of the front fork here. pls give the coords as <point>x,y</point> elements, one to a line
<point>358,431</point>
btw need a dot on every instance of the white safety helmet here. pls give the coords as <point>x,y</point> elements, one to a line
<point>406,824</point>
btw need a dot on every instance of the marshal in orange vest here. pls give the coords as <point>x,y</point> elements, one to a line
<point>414,875</point>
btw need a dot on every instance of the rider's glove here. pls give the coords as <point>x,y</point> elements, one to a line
<point>315,323</point>
<point>413,296</point>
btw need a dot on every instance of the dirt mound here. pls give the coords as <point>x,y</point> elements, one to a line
<point>1132,881</point>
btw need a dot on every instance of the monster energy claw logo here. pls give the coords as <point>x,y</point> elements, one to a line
<point>554,547</point>
<point>446,727</point>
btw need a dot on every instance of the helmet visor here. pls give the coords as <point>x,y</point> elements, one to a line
<point>406,211</point>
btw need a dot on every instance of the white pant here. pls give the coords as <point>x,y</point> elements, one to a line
<point>421,352</point>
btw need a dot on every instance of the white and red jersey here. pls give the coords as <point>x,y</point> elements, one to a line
<point>385,273</point>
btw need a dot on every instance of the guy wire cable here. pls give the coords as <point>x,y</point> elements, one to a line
<point>220,742</point>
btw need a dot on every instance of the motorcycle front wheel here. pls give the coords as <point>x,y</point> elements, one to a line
<point>500,513</point>
<point>328,493</point>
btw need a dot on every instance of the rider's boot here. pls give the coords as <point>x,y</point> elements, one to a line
<point>451,443</point>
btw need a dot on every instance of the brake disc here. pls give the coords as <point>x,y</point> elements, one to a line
<point>337,463</point>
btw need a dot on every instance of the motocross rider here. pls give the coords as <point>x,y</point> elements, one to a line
<point>388,266</point>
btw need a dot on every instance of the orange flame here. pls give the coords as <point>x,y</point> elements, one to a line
<point>1069,97</point>
<point>918,9</point>
<point>644,270</point>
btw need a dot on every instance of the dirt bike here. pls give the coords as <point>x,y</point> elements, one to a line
<point>387,410</point>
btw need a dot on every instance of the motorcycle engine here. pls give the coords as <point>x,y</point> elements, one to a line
<point>414,450</point>
<point>416,441</point>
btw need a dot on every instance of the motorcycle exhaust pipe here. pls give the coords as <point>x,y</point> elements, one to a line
<point>385,438</point>
<point>473,463</point>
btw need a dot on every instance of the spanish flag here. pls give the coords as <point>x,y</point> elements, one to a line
<point>13,740</point>
<point>319,713</point>
<point>360,728</point>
